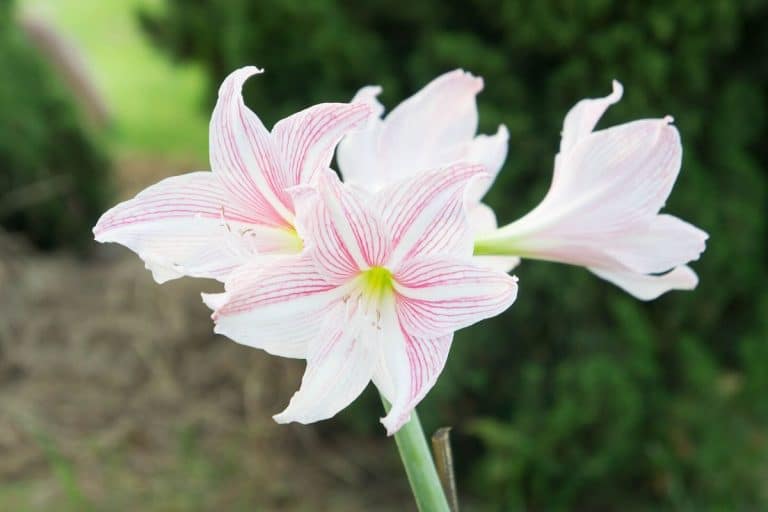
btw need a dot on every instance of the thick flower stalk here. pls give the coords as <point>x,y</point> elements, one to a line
<point>433,128</point>
<point>382,284</point>
<point>206,224</point>
<point>602,208</point>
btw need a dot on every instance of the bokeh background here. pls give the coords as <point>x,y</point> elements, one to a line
<point>114,394</point>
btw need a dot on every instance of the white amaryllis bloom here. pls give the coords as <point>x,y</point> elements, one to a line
<point>205,224</point>
<point>435,127</point>
<point>384,281</point>
<point>602,209</point>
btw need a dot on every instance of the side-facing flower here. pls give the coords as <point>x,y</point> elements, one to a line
<point>602,208</point>
<point>435,127</point>
<point>383,283</point>
<point>205,224</point>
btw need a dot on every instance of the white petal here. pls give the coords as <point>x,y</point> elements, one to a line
<point>582,118</point>
<point>482,218</point>
<point>666,243</point>
<point>442,114</point>
<point>357,152</point>
<point>244,156</point>
<point>278,307</point>
<point>407,368</point>
<point>306,140</point>
<point>432,128</point>
<point>437,296</point>
<point>649,287</point>
<point>183,225</point>
<point>426,214</point>
<point>340,364</point>
<point>490,151</point>
<point>498,263</point>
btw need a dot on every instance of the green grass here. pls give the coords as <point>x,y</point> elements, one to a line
<point>156,105</point>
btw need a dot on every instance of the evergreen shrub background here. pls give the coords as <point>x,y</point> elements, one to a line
<point>54,176</point>
<point>580,397</point>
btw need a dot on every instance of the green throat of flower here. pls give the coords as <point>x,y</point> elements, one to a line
<point>295,242</point>
<point>377,281</point>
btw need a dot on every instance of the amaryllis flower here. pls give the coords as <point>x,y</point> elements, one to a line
<point>383,283</point>
<point>602,209</point>
<point>433,128</point>
<point>205,224</point>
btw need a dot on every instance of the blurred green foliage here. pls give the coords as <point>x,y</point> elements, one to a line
<point>54,177</point>
<point>579,397</point>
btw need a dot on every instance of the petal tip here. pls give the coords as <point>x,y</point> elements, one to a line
<point>618,90</point>
<point>237,77</point>
<point>98,234</point>
<point>214,301</point>
<point>367,92</point>
<point>252,70</point>
<point>394,424</point>
<point>474,83</point>
<point>282,418</point>
<point>690,279</point>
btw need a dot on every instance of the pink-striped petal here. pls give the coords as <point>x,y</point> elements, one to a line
<point>279,307</point>
<point>340,363</point>
<point>438,295</point>
<point>341,233</point>
<point>583,117</point>
<point>407,369</point>
<point>306,140</point>
<point>244,156</point>
<point>649,287</point>
<point>184,225</point>
<point>427,215</point>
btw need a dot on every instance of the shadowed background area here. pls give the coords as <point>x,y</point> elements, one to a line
<point>114,393</point>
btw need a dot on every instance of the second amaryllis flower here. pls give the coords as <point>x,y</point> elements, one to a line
<point>602,209</point>
<point>383,283</point>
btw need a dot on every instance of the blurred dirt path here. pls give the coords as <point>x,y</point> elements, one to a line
<point>115,395</point>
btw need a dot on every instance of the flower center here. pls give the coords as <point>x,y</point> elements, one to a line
<point>296,243</point>
<point>372,296</point>
<point>376,282</point>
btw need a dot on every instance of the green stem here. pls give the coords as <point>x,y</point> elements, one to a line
<point>495,246</point>
<point>419,466</point>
